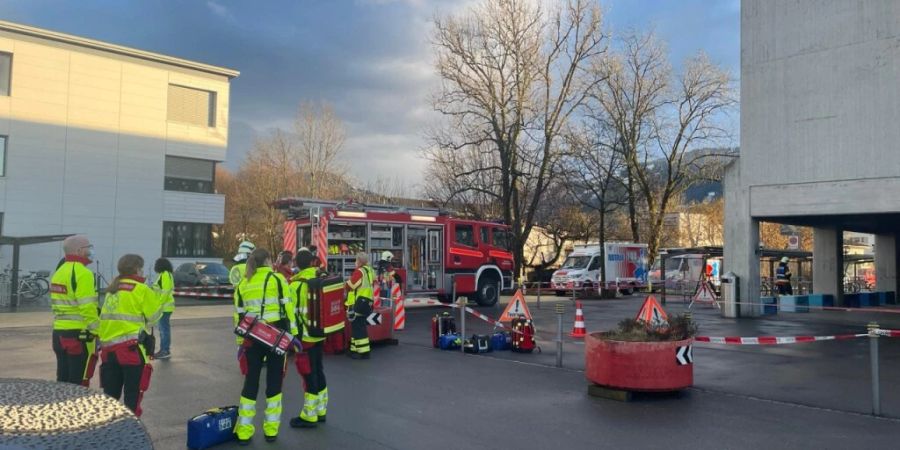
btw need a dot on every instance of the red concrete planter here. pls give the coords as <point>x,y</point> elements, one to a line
<point>636,366</point>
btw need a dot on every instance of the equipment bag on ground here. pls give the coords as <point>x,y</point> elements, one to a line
<point>479,343</point>
<point>523,335</point>
<point>441,324</point>
<point>213,427</point>
<point>500,341</point>
<point>450,341</point>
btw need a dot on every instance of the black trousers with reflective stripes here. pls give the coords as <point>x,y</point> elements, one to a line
<point>359,331</point>
<point>117,379</point>
<point>71,356</point>
<point>315,381</point>
<point>257,357</point>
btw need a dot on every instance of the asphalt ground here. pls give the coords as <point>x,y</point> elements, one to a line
<point>413,396</point>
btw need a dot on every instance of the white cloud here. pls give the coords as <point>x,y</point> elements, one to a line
<point>219,10</point>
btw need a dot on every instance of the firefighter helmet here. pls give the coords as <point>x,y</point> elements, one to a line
<point>387,256</point>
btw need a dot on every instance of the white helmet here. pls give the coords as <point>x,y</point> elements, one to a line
<point>387,256</point>
<point>244,250</point>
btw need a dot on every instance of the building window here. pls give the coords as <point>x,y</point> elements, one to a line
<point>190,175</point>
<point>187,240</point>
<point>191,106</point>
<point>5,73</point>
<point>465,235</point>
<point>3,140</point>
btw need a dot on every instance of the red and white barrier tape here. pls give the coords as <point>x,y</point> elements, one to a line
<point>433,302</point>
<point>888,333</point>
<point>775,340</point>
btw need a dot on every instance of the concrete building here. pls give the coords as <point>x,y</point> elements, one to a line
<point>113,142</point>
<point>819,141</point>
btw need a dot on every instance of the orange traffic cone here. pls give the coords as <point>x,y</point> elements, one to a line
<point>578,331</point>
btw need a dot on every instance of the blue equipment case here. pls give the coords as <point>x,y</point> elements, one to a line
<point>213,427</point>
<point>449,341</point>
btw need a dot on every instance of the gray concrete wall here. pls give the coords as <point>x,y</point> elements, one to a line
<point>886,262</point>
<point>741,240</point>
<point>819,92</point>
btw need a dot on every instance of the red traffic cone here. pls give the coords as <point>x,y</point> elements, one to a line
<point>578,331</point>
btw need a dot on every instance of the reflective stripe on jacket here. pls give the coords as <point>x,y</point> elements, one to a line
<point>363,289</point>
<point>73,297</point>
<point>134,307</point>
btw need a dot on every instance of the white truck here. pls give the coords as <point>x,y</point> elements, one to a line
<point>626,268</point>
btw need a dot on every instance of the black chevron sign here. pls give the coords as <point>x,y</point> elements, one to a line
<point>684,355</point>
<point>374,319</point>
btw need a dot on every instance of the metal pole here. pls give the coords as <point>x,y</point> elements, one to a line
<point>874,368</point>
<point>662,277</point>
<point>559,339</point>
<point>539,295</point>
<point>462,318</point>
<point>14,286</point>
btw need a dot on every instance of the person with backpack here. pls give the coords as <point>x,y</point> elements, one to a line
<point>265,294</point>
<point>164,285</point>
<point>129,308</point>
<point>304,286</point>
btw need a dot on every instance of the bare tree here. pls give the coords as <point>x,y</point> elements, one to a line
<point>662,119</point>
<point>305,161</point>
<point>512,76</point>
<point>592,168</point>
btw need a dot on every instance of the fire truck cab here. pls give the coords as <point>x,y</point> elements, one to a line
<point>429,247</point>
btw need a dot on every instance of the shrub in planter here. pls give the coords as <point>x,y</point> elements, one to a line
<point>638,356</point>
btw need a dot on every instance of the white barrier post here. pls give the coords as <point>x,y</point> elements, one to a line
<point>874,368</point>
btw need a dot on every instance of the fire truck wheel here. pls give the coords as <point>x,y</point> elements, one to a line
<point>488,291</point>
<point>626,291</point>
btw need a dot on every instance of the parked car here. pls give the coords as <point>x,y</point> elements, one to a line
<point>201,274</point>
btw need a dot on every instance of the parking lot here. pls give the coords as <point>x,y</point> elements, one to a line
<point>413,396</point>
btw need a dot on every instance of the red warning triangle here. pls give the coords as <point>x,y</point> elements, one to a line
<point>653,313</point>
<point>516,308</point>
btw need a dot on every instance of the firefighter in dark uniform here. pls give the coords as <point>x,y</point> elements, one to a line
<point>783,278</point>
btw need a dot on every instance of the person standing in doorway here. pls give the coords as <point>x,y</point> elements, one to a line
<point>783,278</point>
<point>164,285</point>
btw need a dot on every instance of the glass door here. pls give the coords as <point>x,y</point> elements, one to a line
<point>416,269</point>
<point>435,261</point>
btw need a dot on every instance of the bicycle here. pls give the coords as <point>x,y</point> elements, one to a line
<point>31,286</point>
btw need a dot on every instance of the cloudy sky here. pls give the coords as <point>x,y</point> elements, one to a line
<point>369,58</point>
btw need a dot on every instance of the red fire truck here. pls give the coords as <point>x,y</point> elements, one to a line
<point>429,246</point>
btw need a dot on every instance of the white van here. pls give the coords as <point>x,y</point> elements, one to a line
<point>626,268</point>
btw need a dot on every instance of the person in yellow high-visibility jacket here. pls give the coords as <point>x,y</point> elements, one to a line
<point>73,299</point>
<point>129,309</point>
<point>258,294</point>
<point>315,398</point>
<point>164,286</point>
<point>359,306</point>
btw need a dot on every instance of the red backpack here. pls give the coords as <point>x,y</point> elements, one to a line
<point>523,336</point>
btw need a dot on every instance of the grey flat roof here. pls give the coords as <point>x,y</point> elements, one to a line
<point>112,48</point>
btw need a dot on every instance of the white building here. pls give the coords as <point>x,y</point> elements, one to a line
<point>819,102</point>
<point>113,142</point>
